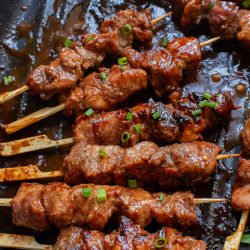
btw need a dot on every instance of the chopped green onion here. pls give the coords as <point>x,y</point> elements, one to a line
<point>132,184</point>
<point>86,192</point>
<point>245,238</point>
<point>68,43</point>
<point>102,153</point>
<point>123,67</point>
<point>160,242</point>
<point>90,38</point>
<point>210,6</point>
<point>246,4</point>
<point>129,116</point>
<point>7,80</point>
<point>211,104</point>
<point>138,128</point>
<point>196,112</point>
<point>164,42</point>
<point>161,197</point>
<point>123,61</point>
<point>101,195</point>
<point>203,104</point>
<point>207,95</point>
<point>156,115</point>
<point>103,76</point>
<point>89,112</point>
<point>126,29</point>
<point>125,136</point>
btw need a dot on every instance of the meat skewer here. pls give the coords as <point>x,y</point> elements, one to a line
<point>38,206</point>
<point>240,196</point>
<point>129,234</point>
<point>99,96</point>
<point>9,95</point>
<point>157,122</point>
<point>92,163</point>
<point>167,167</point>
<point>224,18</point>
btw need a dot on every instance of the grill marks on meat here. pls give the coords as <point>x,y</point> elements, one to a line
<point>241,190</point>
<point>128,236</point>
<point>62,206</point>
<point>224,17</point>
<point>104,94</point>
<point>140,22</point>
<point>176,122</point>
<point>166,167</point>
<point>166,65</point>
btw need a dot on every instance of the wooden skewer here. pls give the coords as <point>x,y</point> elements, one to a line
<point>6,202</point>
<point>46,112</point>
<point>32,172</point>
<point>4,97</point>
<point>21,242</point>
<point>158,19</point>
<point>31,144</point>
<point>43,142</point>
<point>33,118</point>
<point>233,241</point>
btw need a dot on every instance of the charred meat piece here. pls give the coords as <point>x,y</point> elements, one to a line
<point>158,122</point>
<point>128,236</point>
<point>225,19</point>
<point>103,90</point>
<point>166,66</point>
<point>131,24</point>
<point>166,167</point>
<point>96,209</point>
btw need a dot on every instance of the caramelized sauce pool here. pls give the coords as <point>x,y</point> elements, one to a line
<point>32,35</point>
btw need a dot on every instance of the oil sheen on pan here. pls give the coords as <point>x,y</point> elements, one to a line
<point>31,32</point>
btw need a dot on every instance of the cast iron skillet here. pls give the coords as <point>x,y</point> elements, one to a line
<point>30,34</point>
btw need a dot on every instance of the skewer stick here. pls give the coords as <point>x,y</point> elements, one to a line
<point>158,19</point>
<point>233,241</point>
<point>6,202</point>
<point>210,41</point>
<point>4,97</point>
<point>31,144</point>
<point>226,156</point>
<point>46,112</point>
<point>21,242</point>
<point>30,172</point>
<point>33,118</point>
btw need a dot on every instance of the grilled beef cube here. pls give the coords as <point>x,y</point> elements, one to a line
<point>166,66</point>
<point>140,23</point>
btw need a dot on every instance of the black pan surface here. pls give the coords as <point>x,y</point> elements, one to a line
<point>31,33</point>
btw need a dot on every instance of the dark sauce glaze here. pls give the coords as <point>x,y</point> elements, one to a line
<point>31,33</point>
